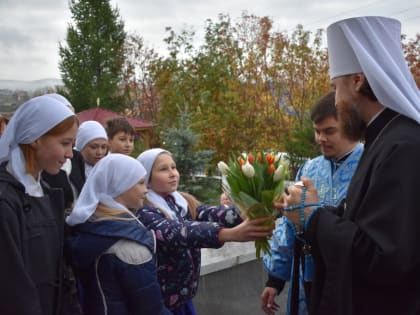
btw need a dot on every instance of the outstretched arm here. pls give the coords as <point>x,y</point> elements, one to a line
<point>248,230</point>
<point>180,233</point>
<point>227,217</point>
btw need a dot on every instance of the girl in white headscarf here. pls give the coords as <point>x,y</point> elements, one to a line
<point>111,251</point>
<point>183,227</point>
<point>92,142</point>
<point>38,138</point>
<point>71,177</point>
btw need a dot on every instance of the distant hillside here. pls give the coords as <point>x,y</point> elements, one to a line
<point>29,86</point>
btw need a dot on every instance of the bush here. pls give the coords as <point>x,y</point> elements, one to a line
<point>206,189</point>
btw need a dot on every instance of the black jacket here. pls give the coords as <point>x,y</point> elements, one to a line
<point>31,241</point>
<point>77,178</point>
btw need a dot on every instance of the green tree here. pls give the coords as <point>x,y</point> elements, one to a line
<point>300,145</point>
<point>182,142</point>
<point>92,60</point>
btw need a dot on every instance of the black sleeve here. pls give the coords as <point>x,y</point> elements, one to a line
<point>339,210</point>
<point>77,175</point>
<point>18,292</point>
<point>275,283</point>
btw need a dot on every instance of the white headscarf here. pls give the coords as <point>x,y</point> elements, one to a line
<point>67,164</point>
<point>110,177</point>
<point>61,99</point>
<point>148,158</point>
<point>32,120</point>
<point>372,45</point>
<point>88,131</point>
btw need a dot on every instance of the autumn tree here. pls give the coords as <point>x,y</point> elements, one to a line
<point>301,66</point>
<point>174,76</point>
<point>93,55</point>
<point>142,99</point>
<point>217,108</point>
<point>247,86</point>
<point>412,54</point>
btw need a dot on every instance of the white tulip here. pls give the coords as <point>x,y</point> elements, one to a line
<point>223,167</point>
<point>278,173</point>
<point>248,170</point>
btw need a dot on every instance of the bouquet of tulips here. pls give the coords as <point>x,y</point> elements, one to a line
<point>253,181</point>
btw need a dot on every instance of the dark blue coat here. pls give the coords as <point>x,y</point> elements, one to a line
<point>115,264</point>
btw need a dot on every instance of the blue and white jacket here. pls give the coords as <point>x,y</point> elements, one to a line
<point>115,265</point>
<point>332,187</point>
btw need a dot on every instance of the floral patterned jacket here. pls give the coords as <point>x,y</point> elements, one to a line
<point>178,247</point>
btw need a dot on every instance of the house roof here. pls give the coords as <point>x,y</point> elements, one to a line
<point>101,115</point>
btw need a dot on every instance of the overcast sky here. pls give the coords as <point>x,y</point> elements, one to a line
<point>30,30</point>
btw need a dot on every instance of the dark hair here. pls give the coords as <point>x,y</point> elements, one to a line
<point>366,90</point>
<point>324,108</point>
<point>115,125</point>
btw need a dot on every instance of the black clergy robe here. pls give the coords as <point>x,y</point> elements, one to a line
<point>367,260</point>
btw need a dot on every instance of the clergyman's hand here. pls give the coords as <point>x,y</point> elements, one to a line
<point>295,198</point>
<point>280,203</point>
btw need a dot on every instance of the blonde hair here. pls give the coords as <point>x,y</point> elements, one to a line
<point>193,203</point>
<point>105,213</point>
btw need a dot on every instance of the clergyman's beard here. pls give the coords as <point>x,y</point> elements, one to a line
<point>351,122</point>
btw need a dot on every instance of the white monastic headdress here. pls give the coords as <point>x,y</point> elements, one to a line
<point>32,120</point>
<point>88,131</point>
<point>61,99</point>
<point>372,45</point>
<point>148,158</point>
<point>112,176</point>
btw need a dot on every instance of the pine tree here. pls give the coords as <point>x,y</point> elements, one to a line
<point>91,62</point>
<point>182,142</point>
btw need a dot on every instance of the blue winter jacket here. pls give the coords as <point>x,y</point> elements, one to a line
<point>116,268</point>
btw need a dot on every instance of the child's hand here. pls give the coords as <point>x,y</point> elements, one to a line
<point>248,230</point>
